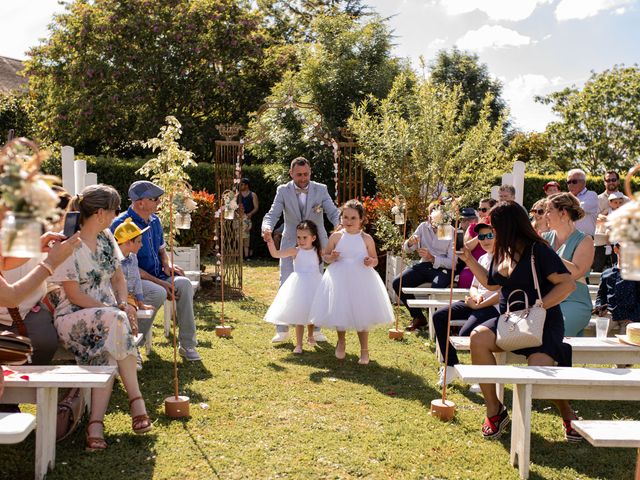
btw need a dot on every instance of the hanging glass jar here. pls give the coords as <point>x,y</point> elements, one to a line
<point>20,236</point>
<point>630,260</point>
<point>183,221</point>
<point>445,232</point>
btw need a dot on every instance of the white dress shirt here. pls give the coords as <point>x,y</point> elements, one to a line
<point>589,203</point>
<point>442,250</point>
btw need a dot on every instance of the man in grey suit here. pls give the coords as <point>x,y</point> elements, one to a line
<point>298,200</point>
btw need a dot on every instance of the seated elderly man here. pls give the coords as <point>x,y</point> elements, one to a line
<point>155,268</point>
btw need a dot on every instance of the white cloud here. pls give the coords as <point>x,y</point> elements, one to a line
<point>581,9</point>
<point>519,94</point>
<point>491,36</point>
<point>512,10</point>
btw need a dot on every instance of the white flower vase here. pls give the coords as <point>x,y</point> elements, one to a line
<point>183,221</point>
<point>630,260</point>
<point>20,236</point>
<point>445,232</point>
<point>399,218</point>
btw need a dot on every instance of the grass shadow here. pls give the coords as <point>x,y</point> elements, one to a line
<point>390,381</point>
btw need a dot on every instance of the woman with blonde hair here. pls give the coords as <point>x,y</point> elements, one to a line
<point>576,250</point>
<point>92,316</point>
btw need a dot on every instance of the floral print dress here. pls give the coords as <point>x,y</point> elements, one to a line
<point>95,336</point>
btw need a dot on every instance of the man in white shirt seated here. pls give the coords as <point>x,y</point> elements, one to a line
<point>576,182</point>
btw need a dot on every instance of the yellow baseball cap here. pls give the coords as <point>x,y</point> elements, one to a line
<point>128,231</point>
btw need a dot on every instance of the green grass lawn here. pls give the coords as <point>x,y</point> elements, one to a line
<point>258,411</point>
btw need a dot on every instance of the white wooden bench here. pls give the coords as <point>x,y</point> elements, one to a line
<point>41,388</point>
<point>431,305</point>
<point>585,351</point>
<point>611,433</point>
<point>14,427</point>
<point>187,258</point>
<point>550,383</point>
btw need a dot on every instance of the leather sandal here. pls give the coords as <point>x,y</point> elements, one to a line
<point>140,423</point>
<point>94,444</point>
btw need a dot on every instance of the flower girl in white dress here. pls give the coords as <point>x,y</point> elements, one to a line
<point>293,301</point>
<point>351,295</point>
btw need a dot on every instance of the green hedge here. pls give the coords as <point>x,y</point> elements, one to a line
<point>121,173</point>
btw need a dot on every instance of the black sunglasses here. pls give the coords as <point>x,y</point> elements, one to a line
<point>483,209</point>
<point>539,211</point>
<point>611,180</point>
<point>573,182</point>
<point>488,236</point>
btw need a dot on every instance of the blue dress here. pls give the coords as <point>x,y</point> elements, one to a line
<point>547,262</point>
<point>577,307</point>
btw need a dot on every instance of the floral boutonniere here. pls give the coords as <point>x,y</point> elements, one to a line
<point>318,208</point>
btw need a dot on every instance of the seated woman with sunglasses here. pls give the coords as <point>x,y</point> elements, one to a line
<point>515,242</point>
<point>92,315</point>
<point>538,218</point>
<point>576,250</point>
<point>471,241</point>
<point>477,308</point>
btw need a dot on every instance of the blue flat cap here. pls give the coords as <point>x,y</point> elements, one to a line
<point>144,189</point>
<point>468,213</point>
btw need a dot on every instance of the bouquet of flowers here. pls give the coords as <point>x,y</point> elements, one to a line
<point>25,191</point>
<point>441,216</point>
<point>399,209</point>
<point>624,227</point>
<point>184,202</point>
<point>25,197</point>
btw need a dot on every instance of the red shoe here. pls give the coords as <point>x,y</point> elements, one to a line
<point>493,427</point>
<point>570,433</point>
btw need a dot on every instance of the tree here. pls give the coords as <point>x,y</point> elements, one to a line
<point>349,60</point>
<point>414,143</point>
<point>111,71</point>
<point>532,148</point>
<point>290,20</point>
<point>15,115</point>
<point>599,126</point>
<point>464,69</point>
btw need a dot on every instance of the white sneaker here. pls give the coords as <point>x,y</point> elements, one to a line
<point>475,388</point>
<point>280,337</point>
<point>319,336</point>
<point>451,376</point>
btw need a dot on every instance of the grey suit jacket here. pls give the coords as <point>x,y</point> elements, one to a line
<point>285,203</point>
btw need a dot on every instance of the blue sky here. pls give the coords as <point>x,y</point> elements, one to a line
<point>533,46</point>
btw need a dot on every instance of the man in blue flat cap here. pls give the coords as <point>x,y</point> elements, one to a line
<point>155,267</point>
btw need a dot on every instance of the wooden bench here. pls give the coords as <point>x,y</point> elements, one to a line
<point>611,433</point>
<point>41,389</point>
<point>585,351</point>
<point>431,305</point>
<point>550,383</point>
<point>14,427</point>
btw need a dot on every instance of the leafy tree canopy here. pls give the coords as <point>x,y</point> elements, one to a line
<point>599,126</point>
<point>291,20</point>
<point>111,71</point>
<point>533,149</point>
<point>451,68</point>
<point>414,143</point>
<point>349,61</point>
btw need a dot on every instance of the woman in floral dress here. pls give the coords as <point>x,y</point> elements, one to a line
<point>92,316</point>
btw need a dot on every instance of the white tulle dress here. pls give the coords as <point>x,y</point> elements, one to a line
<point>351,296</point>
<point>293,301</point>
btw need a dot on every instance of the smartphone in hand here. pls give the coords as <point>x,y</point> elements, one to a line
<point>71,223</point>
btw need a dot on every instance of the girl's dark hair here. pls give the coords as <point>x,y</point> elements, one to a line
<point>513,229</point>
<point>93,198</point>
<point>313,228</point>
<point>358,207</point>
